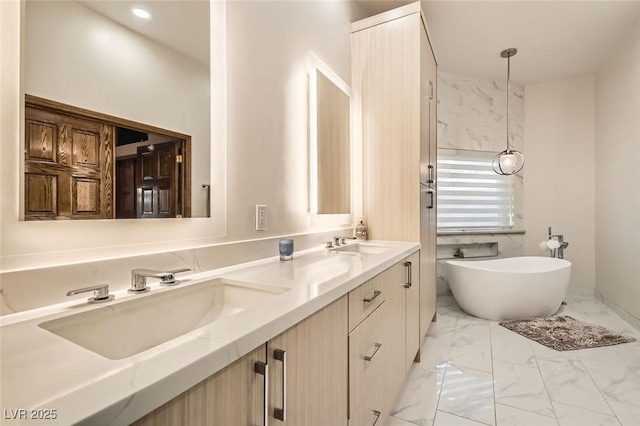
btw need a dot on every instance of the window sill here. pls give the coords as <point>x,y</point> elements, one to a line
<point>481,232</point>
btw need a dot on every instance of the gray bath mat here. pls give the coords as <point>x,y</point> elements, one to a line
<point>565,333</point>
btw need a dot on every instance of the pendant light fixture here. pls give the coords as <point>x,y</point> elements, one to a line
<point>509,161</point>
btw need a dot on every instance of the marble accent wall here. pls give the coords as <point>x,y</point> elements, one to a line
<point>472,114</point>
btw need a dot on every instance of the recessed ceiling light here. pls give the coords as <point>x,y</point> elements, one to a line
<point>141,13</point>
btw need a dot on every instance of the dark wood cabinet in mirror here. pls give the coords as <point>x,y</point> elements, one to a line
<point>81,164</point>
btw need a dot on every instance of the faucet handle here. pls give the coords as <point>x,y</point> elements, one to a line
<point>328,244</point>
<point>139,278</point>
<point>169,278</point>
<point>100,293</point>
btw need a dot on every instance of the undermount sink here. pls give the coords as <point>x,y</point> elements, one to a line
<point>366,248</point>
<point>124,329</point>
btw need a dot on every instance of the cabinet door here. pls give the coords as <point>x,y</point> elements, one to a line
<point>158,180</point>
<point>394,332</point>
<point>428,148</point>
<point>412,269</point>
<point>232,396</point>
<point>68,166</point>
<point>308,370</point>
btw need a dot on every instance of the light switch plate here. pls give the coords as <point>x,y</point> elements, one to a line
<point>261,217</point>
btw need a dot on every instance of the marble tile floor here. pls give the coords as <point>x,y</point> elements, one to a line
<point>474,372</point>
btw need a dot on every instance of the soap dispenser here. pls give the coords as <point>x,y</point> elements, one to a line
<point>361,231</point>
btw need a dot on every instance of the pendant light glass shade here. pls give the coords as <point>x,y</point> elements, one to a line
<point>509,161</point>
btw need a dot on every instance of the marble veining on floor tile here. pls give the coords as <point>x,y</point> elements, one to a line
<point>474,372</point>
<point>522,387</point>
<point>511,347</point>
<point>569,383</point>
<point>510,416</point>
<point>468,393</point>
<point>418,400</point>
<point>446,419</point>
<point>628,415</point>
<point>617,382</point>
<point>471,347</point>
<point>573,416</point>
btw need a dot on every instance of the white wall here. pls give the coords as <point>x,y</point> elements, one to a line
<point>259,100</point>
<point>268,57</point>
<point>560,183</point>
<point>618,175</point>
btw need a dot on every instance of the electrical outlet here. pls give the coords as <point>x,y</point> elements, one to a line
<point>261,217</point>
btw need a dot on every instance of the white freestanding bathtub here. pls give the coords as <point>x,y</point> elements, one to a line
<point>510,288</point>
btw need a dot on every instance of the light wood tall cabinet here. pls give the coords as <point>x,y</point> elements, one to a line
<point>395,100</point>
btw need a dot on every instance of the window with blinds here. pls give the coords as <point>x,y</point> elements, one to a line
<point>470,193</point>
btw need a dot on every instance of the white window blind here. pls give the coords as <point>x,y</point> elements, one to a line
<point>470,193</point>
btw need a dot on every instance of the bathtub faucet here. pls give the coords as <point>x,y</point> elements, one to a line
<point>559,252</point>
<point>459,253</point>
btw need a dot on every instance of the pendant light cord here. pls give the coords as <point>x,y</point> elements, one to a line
<point>508,89</point>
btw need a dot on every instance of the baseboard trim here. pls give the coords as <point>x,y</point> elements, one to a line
<point>635,322</point>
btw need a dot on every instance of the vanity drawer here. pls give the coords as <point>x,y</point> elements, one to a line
<point>365,299</point>
<point>368,358</point>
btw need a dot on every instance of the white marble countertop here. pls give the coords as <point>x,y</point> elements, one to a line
<point>42,371</point>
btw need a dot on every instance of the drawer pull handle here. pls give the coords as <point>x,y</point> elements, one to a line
<point>370,358</point>
<point>262,368</point>
<point>432,170</point>
<point>408,281</point>
<point>281,413</point>
<point>377,414</point>
<point>376,293</point>
<point>430,204</point>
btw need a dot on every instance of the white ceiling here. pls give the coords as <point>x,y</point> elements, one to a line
<point>182,25</point>
<point>555,39</point>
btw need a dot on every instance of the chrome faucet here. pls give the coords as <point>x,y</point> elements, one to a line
<point>100,293</point>
<point>341,240</point>
<point>559,252</point>
<point>139,278</point>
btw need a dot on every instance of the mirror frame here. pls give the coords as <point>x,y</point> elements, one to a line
<point>318,65</point>
<point>34,244</point>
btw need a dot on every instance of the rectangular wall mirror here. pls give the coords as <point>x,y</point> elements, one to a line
<point>329,142</point>
<point>144,150</point>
